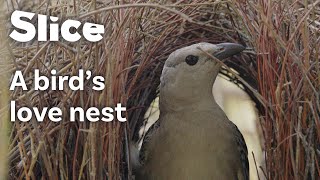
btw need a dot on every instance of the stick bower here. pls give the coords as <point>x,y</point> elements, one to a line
<point>279,70</point>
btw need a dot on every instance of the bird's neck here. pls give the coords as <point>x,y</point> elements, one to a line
<point>193,98</point>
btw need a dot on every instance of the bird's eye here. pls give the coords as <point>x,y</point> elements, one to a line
<point>192,60</point>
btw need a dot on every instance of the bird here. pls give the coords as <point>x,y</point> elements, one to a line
<point>193,138</point>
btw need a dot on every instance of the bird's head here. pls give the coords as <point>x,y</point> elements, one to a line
<point>190,70</point>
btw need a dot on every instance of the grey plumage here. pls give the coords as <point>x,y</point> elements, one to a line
<point>193,138</point>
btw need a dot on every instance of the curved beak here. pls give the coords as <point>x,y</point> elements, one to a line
<point>226,50</point>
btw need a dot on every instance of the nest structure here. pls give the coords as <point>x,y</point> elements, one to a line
<point>280,71</point>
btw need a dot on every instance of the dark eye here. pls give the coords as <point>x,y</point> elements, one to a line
<point>192,60</point>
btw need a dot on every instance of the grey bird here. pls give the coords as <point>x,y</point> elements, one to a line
<point>193,138</point>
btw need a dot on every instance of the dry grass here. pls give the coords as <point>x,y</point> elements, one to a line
<point>4,96</point>
<point>284,68</point>
<point>285,35</point>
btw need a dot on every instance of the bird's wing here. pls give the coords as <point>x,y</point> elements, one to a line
<point>243,151</point>
<point>143,151</point>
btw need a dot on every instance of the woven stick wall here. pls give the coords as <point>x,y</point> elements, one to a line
<point>286,38</point>
<point>281,74</point>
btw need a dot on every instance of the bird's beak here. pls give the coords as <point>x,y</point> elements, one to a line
<point>226,50</point>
